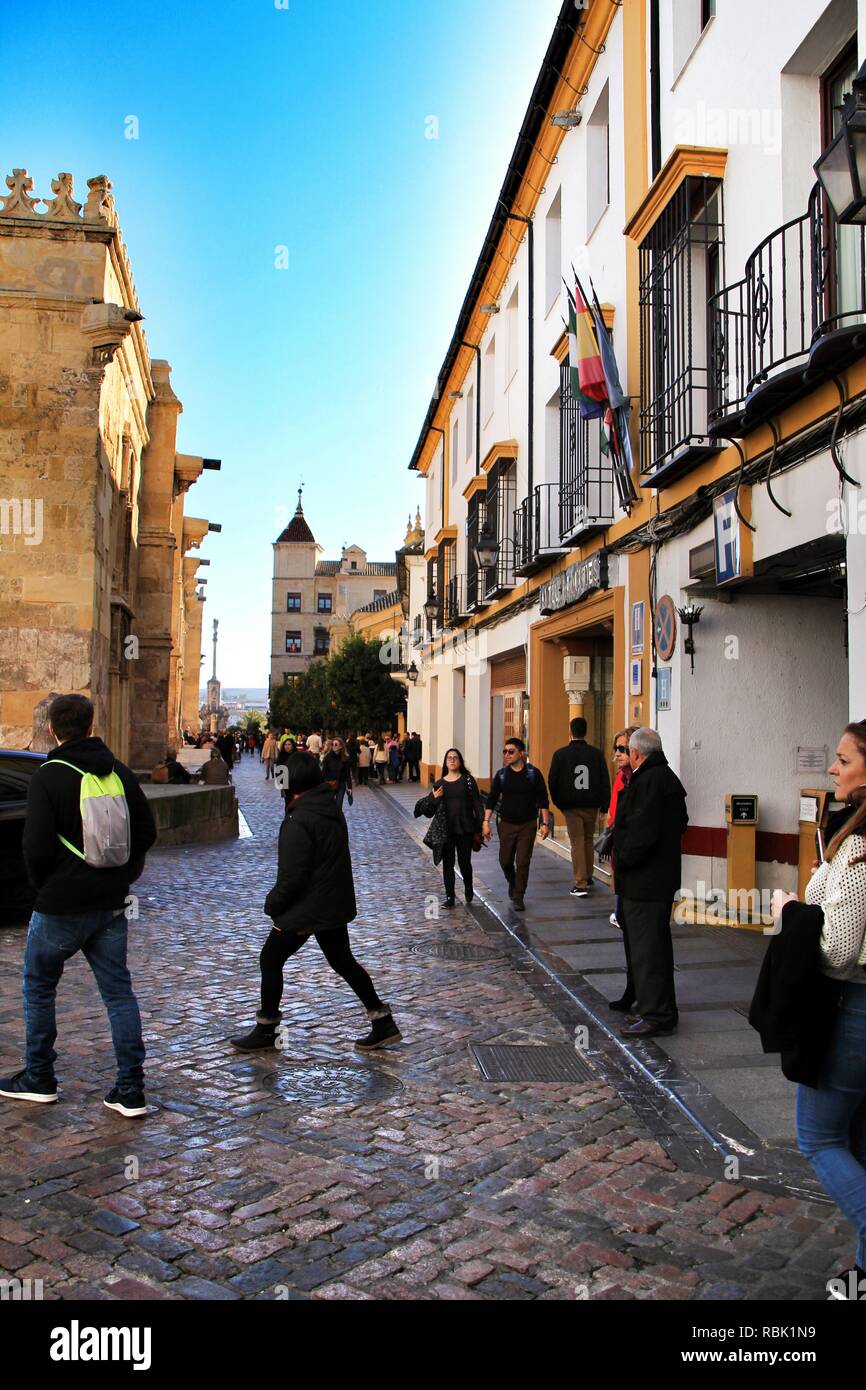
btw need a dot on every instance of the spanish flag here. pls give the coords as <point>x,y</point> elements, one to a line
<point>587,371</point>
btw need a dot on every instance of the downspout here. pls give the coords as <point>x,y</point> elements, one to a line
<point>530,443</point>
<point>655,89</point>
<point>477,350</point>
<point>438,430</point>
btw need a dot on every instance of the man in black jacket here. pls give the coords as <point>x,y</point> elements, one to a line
<point>579,786</point>
<point>520,788</point>
<point>647,856</point>
<point>314,895</point>
<point>78,908</point>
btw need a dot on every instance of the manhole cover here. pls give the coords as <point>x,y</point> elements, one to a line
<point>321,1085</point>
<point>453,950</point>
<point>510,1062</point>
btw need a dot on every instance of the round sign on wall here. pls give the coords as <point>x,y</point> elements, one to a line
<point>665,628</point>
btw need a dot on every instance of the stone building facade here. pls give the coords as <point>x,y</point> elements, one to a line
<point>314,597</point>
<point>97,591</point>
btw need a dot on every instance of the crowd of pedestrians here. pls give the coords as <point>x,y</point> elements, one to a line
<point>89,826</point>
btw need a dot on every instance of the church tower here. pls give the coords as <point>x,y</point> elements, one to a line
<point>293,613</point>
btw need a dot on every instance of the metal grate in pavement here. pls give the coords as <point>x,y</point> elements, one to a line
<point>511,1062</point>
<point>455,950</point>
<point>311,1085</point>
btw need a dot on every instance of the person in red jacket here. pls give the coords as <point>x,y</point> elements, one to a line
<point>620,782</point>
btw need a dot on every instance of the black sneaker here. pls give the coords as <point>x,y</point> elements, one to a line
<point>128,1103</point>
<point>518,904</point>
<point>23,1087</point>
<point>579,892</point>
<point>449,902</point>
<point>470,897</point>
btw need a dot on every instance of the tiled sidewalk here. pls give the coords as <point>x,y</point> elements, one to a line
<point>714,1062</point>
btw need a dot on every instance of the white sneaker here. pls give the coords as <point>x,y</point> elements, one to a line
<point>614,922</point>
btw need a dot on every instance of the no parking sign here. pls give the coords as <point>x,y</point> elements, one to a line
<point>665,628</point>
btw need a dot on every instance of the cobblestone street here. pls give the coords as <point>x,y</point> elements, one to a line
<point>319,1173</point>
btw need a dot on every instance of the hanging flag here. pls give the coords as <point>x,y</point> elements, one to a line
<point>617,397</point>
<point>585,359</point>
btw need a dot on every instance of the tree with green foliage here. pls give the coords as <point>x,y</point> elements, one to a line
<point>350,691</point>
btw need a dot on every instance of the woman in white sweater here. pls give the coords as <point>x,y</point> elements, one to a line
<point>831,1117</point>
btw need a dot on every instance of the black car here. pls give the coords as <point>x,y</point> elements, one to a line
<point>16,895</point>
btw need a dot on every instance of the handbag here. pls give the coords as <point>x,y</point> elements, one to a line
<point>437,834</point>
<point>604,843</point>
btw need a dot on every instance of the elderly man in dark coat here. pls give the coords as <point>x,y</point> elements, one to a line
<point>647,852</point>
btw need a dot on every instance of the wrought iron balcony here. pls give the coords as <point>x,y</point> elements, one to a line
<point>475,598</point>
<point>795,317</point>
<point>537,527</point>
<point>586,485</point>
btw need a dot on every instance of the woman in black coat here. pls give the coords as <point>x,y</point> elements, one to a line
<point>337,769</point>
<point>456,801</point>
<point>314,895</point>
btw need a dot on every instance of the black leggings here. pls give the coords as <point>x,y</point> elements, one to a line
<point>461,846</point>
<point>336,949</point>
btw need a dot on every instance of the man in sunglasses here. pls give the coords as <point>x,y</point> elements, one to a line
<point>579,784</point>
<point>520,788</point>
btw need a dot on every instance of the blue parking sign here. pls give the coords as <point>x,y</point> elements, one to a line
<point>726,529</point>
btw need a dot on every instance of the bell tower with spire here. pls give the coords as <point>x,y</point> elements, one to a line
<point>293,610</point>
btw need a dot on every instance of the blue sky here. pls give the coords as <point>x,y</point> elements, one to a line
<point>260,127</point>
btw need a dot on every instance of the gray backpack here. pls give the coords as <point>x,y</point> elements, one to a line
<point>104,820</point>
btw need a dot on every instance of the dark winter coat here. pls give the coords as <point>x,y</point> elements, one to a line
<point>433,806</point>
<point>565,767</point>
<point>64,884</point>
<point>647,834</point>
<point>314,890</point>
<point>795,1005</point>
<point>337,769</point>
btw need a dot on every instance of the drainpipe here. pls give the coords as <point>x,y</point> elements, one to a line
<point>477,350</point>
<point>518,217</point>
<point>442,432</point>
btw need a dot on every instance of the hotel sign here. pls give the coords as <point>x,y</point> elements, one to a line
<point>574,584</point>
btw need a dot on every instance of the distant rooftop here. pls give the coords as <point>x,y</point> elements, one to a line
<point>297,530</point>
<point>379,604</point>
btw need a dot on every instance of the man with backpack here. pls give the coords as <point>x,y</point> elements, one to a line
<point>86,834</point>
<point>579,784</point>
<point>520,788</point>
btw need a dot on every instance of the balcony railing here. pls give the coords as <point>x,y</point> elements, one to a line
<point>418,630</point>
<point>475,599</point>
<point>585,472</point>
<point>537,527</point>
<point>804,282</point>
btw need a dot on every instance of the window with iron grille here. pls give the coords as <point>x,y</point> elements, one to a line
<point>500,505</point>
<point>585,472</point>
<point>681,261</point>
<point>293,643</point>
<point>445,564</point>
<point>432,575</point>
<point>474,523</point>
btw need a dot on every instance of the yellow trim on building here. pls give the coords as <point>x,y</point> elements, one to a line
<point>476,484</point>
<point>696,161</point>
<point>445,533</point>
<point>502,449</point>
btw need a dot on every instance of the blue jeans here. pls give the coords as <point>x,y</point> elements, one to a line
<point>831,1118</point>
<point>52,940</point>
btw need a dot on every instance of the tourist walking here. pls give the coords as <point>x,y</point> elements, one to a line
<point>394,759</point>
<point>269,753</point>
<point>455,804</point>
<point>314,744</point>
<point>380,761</point>
<point>810,1005</point>
<point>337,770</point>
<point>365,759</point>
<point>412,753</point>
<point>579,786</point>
<point>314,895</point>
<point>647,852</point>
<point>81,866</point>
<point>520,790</point>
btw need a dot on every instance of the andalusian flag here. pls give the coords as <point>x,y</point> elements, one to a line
<point>587,371</point>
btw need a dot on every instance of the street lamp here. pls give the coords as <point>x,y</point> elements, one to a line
<point>486,548</point>
<point>413,673</point>
<point>690,616</point>
<point>842,166</point>
<point>431,607</point>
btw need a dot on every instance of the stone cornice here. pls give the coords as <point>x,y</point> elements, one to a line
<point>502,449</point>
<point>476,484</point>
